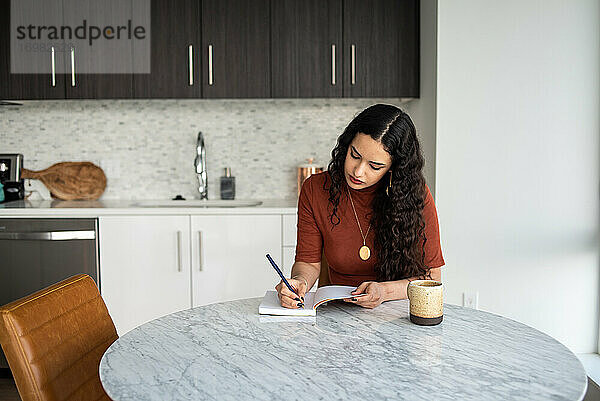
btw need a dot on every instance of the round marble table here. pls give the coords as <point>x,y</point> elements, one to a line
<point>226,351</point>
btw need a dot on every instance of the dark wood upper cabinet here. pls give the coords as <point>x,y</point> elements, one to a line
<point>79,75</point>
<point>100,57</point>
<point>381,48</point>
<point>5,50</point>
<point>306,43</point>
<point>95,65</point>
<point>30,85</point>
<point>175,46</point>
<point>227,49</point>
<point>236,49</point>
<point>100,86</point>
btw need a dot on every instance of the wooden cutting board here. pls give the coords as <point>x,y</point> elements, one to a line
<point>71,180</point>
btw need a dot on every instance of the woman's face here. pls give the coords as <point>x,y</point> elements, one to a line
<point>366,162</point>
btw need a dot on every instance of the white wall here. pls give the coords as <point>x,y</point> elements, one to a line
<point>517,164</point>
<point>422,110</point>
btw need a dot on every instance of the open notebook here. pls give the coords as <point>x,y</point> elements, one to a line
<point>270,304</point>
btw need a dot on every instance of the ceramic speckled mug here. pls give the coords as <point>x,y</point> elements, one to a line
<point>426,302</point>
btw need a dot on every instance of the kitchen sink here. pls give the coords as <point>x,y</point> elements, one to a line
<point>198,203</point>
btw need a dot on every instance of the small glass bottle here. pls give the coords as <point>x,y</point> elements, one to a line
<point>227,185</point>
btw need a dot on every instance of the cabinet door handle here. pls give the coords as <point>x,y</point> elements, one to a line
<point>332,64</point>
<point>53,68</point>
<point>178,251</point>
<point>210,65</point>
<point>200,251</point>
<point>353,64</point>
<point>72,66</point>
<point>191,65</point>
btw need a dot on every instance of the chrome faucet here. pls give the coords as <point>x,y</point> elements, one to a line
<point>200,163</point>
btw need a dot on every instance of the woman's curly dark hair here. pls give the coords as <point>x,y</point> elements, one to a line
<point>397,218</point>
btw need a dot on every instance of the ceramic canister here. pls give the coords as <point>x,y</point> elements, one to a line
<point>305,171</point>
<point>426,302</point>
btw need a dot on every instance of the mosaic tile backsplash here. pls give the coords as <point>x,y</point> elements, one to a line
<point>147,147</point>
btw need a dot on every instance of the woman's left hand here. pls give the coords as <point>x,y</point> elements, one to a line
<point>374,294</point>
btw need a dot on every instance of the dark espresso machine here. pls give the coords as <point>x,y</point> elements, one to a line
<point>10,176</point>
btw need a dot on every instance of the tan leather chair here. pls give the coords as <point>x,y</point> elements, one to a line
<point>54,339</point>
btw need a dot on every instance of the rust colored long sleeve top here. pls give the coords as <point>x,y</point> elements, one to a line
<point>342,241</point>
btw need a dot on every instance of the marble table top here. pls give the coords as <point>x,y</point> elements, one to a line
<point>226,351</point>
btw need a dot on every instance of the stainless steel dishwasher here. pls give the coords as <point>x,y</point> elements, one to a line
<point>36,253</point>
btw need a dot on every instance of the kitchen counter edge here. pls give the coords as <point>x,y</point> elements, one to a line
<point>57,208</point>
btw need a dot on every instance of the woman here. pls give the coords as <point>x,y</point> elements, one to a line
<point>371,213</point>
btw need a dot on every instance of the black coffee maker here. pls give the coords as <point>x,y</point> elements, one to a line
<point>10,176</point>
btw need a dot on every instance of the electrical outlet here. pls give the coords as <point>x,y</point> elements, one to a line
<point>471,299</point>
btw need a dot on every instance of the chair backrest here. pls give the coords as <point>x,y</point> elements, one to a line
<point>54,340</point>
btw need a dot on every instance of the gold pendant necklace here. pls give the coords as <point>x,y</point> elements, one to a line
<point>364,252</point>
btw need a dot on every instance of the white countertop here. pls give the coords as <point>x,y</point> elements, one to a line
<point>111,207</point>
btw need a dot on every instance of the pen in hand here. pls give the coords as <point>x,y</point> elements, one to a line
<point>281,275</point>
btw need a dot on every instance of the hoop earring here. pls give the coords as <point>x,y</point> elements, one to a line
<point>387,189</point>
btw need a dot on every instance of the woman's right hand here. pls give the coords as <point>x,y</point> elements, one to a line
<point>287,298</point>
